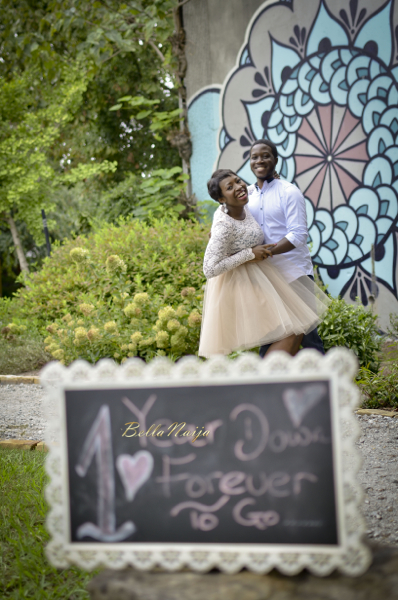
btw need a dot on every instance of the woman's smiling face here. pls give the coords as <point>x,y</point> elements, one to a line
<point>262,161</point>
<point>234,191</point>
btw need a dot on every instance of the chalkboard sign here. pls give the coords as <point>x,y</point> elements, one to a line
<point>225,462</point>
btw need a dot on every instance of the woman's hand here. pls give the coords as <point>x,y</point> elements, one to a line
<point>261,252</point>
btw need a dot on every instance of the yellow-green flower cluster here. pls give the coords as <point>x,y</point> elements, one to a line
<point>141,299</point>
<point>93,334</point>
<point>188,292</point>
<point>181,311</point>
<point>86,309</point>
<point>194,319</point>
<point>135,340</point>
<point>51,348</point>
<point>14,328</point>
<point>52,328</point>
<point>178,340</point>
<point>79,255</point>
<point>58,354</point>
<point>114,264</point>
<point>173,325</point>
<point>110,327</point>
<point>80,333</point>
<point>147,342</point>
<point>132,310</point>
<point>136,337</point>
<point>162,339</point>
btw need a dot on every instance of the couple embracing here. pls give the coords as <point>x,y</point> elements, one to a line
<point>260,289</point>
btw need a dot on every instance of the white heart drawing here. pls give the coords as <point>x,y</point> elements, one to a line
<point>299,402</point>
<point>134,471</point>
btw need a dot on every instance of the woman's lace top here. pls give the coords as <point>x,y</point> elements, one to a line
<point>231,243</point>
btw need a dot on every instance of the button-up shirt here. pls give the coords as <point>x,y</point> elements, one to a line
<point>279,208</point>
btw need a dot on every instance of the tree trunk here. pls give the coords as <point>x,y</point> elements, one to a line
<point>183,141</point>
<point>23,263</point>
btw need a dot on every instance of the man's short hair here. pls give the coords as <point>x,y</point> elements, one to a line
<point>213,185</point>
<point>267,143</point>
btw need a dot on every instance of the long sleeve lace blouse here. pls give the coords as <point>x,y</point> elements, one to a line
<point>231,243</point>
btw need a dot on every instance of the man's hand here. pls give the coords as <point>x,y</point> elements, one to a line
<point>261,252</point>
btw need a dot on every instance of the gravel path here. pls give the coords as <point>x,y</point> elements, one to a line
<point>21,417</point>
<point>21,414</point>
<point>379,476</point>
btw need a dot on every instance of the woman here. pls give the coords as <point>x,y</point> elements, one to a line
<point>247,303</point>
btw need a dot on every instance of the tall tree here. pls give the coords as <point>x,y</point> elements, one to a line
<point>33,114</point>
<point>134,48</point>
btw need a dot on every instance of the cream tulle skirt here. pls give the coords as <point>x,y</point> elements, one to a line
<point>253,305</point>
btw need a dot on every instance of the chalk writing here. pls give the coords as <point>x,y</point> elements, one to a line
<point>99,443</point>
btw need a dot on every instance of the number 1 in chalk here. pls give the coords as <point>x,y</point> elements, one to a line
<point>99,442</point>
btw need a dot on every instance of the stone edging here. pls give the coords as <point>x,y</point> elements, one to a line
<point>377,411</point>
<point>24,445</point>
<point>15,379</point>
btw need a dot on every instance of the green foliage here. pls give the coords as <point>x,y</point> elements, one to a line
<point>143,108</point>
<point>379,390</point>
<point>160,193</point>
<point>28,134</point>
<point>393,328</point>
<point>161,257</point>
<point>24,569</point>
<point>355,327</point>
<point>113,50</point>
<point>127,326</point>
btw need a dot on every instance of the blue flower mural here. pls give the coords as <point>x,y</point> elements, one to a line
<point>321,83</point>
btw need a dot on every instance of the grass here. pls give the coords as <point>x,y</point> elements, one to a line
<point>24,569</point>
<point>22,355</point>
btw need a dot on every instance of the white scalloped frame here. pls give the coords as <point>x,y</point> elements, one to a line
<point>352,557</point>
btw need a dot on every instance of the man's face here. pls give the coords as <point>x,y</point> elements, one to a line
<point>262,161</point>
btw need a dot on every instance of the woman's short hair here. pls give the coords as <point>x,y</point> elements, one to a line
<point>213,185</point>
<point>267,143</point>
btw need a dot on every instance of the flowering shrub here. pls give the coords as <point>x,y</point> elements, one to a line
<point>137,325</point>
<point>136,289</point>
<point>160,258</point>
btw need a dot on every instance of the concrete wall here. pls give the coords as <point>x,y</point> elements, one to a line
<point>215,32</point>
<point>318,78</point>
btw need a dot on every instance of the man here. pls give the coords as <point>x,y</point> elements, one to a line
<point>279,208</point>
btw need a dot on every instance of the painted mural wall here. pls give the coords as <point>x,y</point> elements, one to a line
<point>319,79</point>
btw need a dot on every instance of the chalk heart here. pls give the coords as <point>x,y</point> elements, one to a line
<point>134,471</point>
<point>299,402</point>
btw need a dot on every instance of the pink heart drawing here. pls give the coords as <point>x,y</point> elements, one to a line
<point>299,402</point>
<point>134,471</point>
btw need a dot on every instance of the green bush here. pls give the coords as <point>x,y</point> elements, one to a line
<point>379,390</point>
<point>128,326</point>
<point>135,289</point>
<point>353,326</point>
<point>160,258</point>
